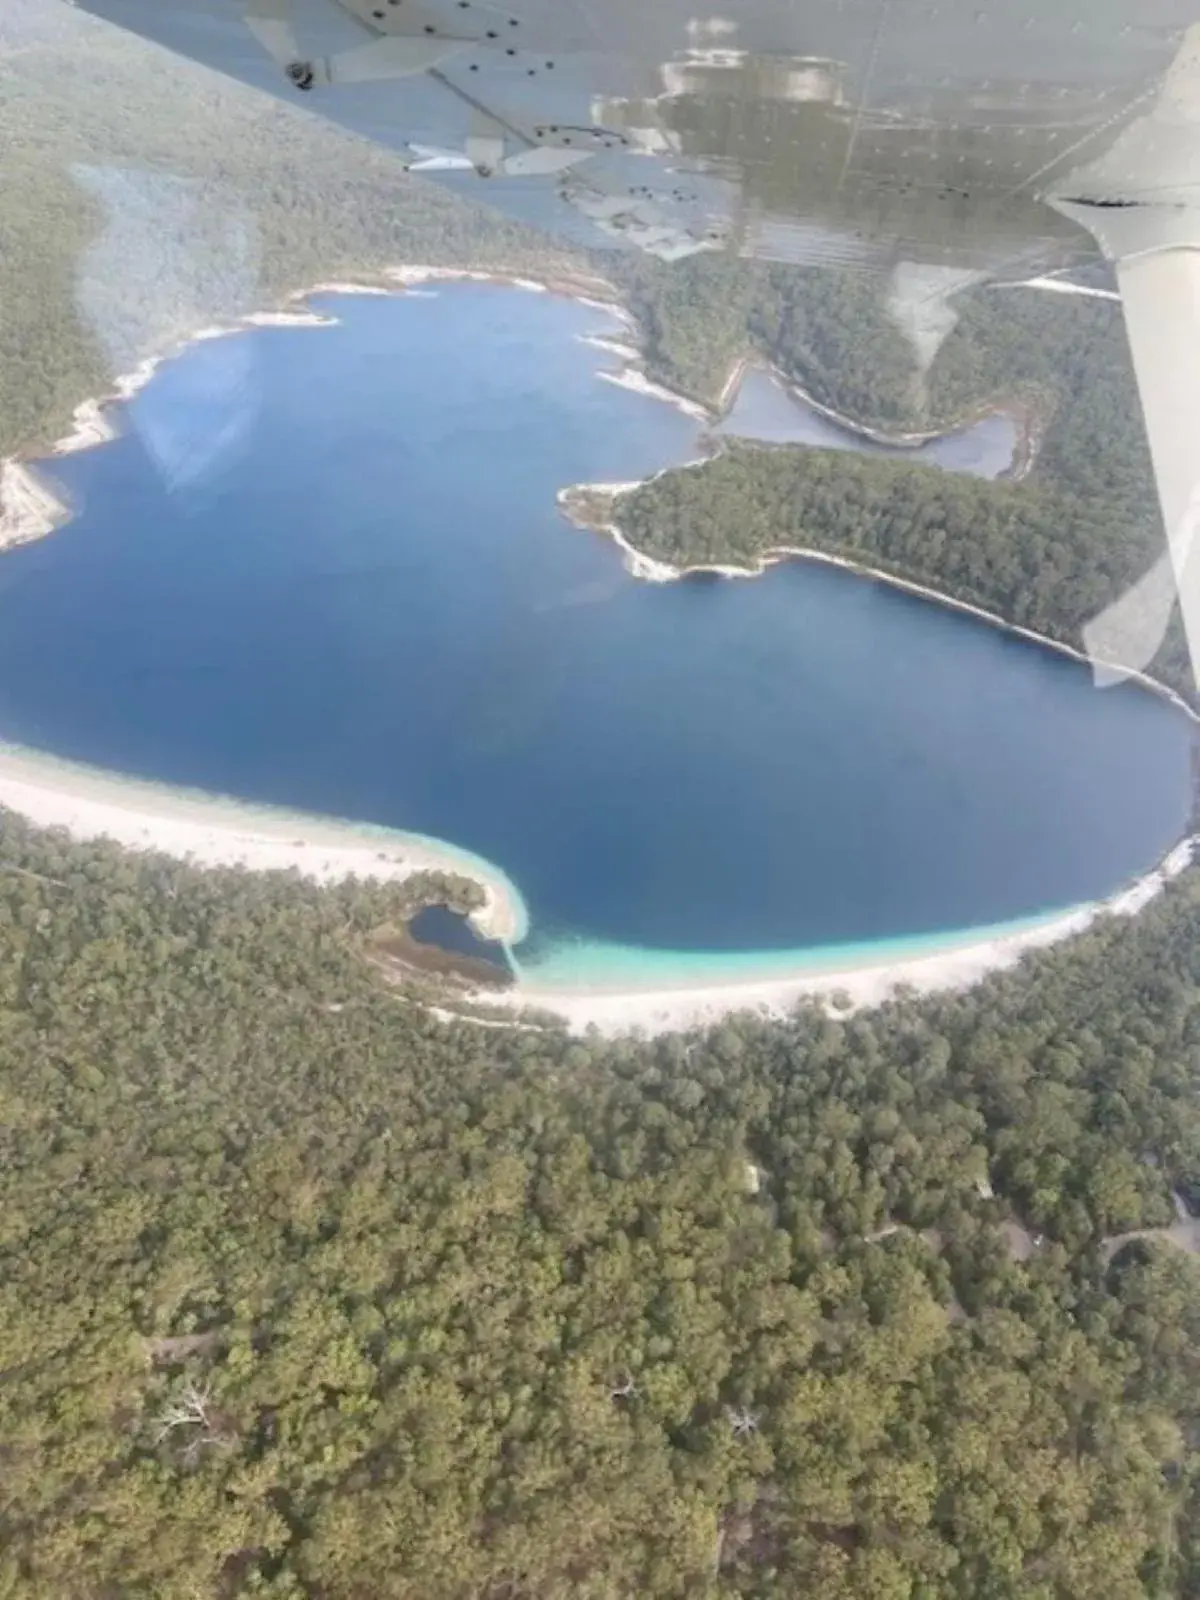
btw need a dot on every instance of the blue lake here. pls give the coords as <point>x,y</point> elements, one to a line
<point>325,570</point>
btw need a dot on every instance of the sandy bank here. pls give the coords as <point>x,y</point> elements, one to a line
<point>29,507</point>
<point>633,378</point>
<point>1059,286</point>
<point>212,831</point>
<point>610,346</point>
<point>90,425</point>
<point>961,963</point>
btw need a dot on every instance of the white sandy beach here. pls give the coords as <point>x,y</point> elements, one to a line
<point>211,831</point>
<point>411,275</point>
<point>633,378</point>
<point>612,347</point>
<point>90,425</point>
<point>669,1009</point>
<point>1059,286</point>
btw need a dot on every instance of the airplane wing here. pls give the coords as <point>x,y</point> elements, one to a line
<point>453,86</point>
<point>839,130</point>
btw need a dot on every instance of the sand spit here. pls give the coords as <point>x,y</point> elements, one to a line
<point>212,831</point>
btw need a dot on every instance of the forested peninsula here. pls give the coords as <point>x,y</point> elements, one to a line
<point>1039,556</point>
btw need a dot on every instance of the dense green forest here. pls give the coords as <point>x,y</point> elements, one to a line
<point>828,330</point>
<point>1041,557</point>
<point>305,1293</point>
<point>1063,361</point>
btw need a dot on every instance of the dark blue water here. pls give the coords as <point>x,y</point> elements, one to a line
<point>450,930</point>
<point>325,569</point>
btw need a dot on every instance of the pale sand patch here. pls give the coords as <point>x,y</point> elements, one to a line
<point>90,426</point>
<point>409,275</point>
<point>612,347</point>
<point>29,507</point>
<point>1059,286</point>
<point>669,1009</point>
<point>635,379</point>
<point>213,831</point>
<point>288,319</point>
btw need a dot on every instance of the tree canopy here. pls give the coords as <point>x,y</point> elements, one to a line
<point>304,1292</point>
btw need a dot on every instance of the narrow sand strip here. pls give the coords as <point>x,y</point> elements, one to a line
<point>1059,286</point>
<point>632,377</point>
<point>213,831</point>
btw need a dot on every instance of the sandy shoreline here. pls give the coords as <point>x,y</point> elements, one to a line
<point>675,1008</point>
<point>633,378</point>
<point>29,507</point>
<point>214,831</point>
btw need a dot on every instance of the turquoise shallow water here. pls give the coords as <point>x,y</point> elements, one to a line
<point>324,570</point>
<point>582,964</point>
